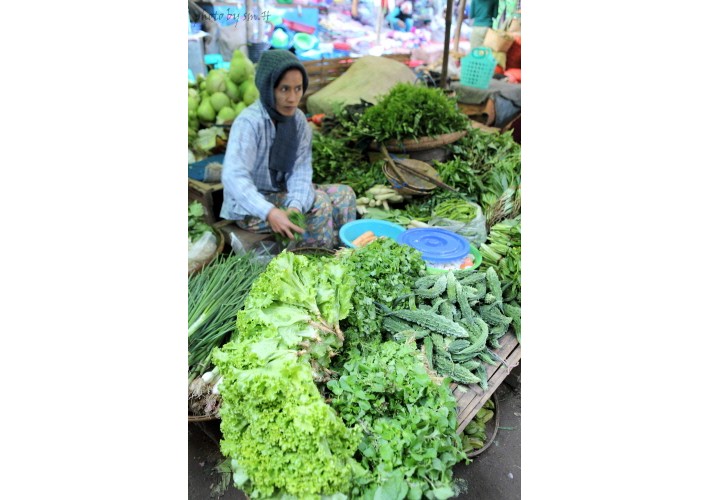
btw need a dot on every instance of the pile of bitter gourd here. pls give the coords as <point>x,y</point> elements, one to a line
<point>457,318</point>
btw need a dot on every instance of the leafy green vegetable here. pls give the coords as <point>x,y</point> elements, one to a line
<point>410,111</point>
<point>410,442</point>
<point>274,422</point>
<point>383,270</point>
<point>196,225</point>
<point>282,436</point>
<point>335,161</point>
<point>297,218</point>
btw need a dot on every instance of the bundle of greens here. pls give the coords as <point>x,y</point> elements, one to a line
<point>297,218</point>
<point>334,161</point>
<point>503,252</point>
<point>410,443</point>
<point>487,168</point>
<point>300,300</point>
<point>410,111</point>
<point>382,270</point>
<point>215,296</point>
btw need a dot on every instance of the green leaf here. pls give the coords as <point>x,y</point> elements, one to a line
<point>394,488</point>
<point>442,493</point>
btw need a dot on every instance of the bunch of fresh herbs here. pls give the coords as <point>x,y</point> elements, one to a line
<point>410,111</point>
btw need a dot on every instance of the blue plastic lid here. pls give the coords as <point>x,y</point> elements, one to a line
<point>436,244</point>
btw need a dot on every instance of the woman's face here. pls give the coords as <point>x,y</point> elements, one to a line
<point>288,92</point>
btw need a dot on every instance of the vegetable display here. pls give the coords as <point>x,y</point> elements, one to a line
<point>382,271</point>
<point>457,318</point>
<point>409,443</point>
<point>503,252</point>
<point>410,111</point>
<point>331,374</point>
<point>282,437</point>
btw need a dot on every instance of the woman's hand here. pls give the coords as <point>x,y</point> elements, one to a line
<point>278,219</point>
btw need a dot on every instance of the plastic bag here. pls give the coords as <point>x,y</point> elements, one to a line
<point>474,231</point>
<point>264,250</point>
<point>201,250</point>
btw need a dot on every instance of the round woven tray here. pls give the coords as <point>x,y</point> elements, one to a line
<point>422,143</point>
<point>220,249</point>
<point>402,186</point>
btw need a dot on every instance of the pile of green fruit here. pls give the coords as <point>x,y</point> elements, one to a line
<point>218,98</point>
<point>475,435</point>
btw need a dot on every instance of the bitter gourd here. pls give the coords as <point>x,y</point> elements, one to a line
<point>435,291</point>
<point>481,373</point>
<point>514,312</point>
<point>471,364</point>
<point>493,283</point>
<point>492,315</point>
<point>450,287</point>
<point>458,345</point>
<point>432,321</point>
<point>463,375</point>
<point>428,349</point>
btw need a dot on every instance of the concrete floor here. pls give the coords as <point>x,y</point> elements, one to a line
<point>495,474</point>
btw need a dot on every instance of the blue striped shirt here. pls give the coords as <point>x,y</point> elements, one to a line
<point>245,173</point>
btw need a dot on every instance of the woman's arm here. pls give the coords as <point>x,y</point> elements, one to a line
<point>241,157</point>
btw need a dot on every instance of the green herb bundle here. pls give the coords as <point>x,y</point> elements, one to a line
<point>297,218</point>
<point>411,111</point>
<point>382,270</point>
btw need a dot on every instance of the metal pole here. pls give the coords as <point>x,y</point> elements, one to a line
<point>444,70</point>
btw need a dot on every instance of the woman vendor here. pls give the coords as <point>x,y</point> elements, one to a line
<point>267,169</point>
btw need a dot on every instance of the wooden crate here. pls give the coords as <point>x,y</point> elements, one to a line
<point>211,195</point>
<point>471,398</point>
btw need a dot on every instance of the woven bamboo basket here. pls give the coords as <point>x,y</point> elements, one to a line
<point>422,143</point>
<point>410,186</point>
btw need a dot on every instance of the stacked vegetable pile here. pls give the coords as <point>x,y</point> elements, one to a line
<point>389,430</point>
<point>503,251</point>
<point>410,111</point>
<point>456,317</point>
<point>409,444</point>
<point>218,99</point>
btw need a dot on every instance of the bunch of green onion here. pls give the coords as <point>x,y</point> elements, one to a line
<point>215,296</point>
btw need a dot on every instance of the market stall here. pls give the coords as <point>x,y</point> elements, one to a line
<point>403,331</point>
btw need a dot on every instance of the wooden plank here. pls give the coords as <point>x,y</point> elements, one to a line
<point>469,399</point>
